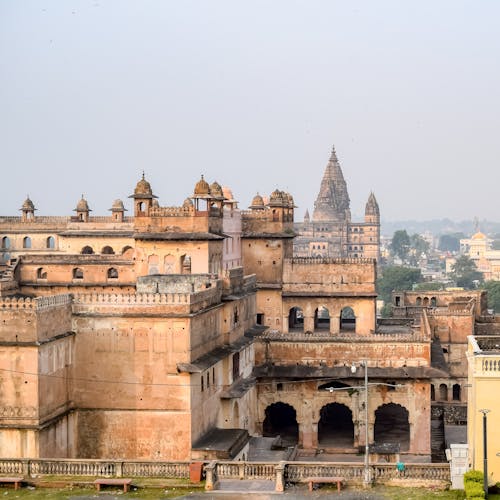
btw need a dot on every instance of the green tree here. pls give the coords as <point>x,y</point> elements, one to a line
<point>465,273</point>
<point>400,244</point>
<point>429,286</point>
<point>419,244</point>
<point>450,242</point>
<point>397,278</point>
<point>493,289</point>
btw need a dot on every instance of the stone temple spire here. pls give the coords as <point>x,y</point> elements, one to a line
<point>332,203</point>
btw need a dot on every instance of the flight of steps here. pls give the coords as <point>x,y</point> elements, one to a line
<point>437,441</point>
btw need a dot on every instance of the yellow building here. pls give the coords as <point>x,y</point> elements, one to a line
<point>483,356</point>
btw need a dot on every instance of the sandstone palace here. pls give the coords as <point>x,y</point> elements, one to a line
<point>176,333</point>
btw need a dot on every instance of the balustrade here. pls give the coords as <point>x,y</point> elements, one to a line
<point>220,470</point>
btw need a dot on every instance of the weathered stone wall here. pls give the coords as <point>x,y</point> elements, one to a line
<point>264,258</point>
<point>323,353</point>
<point>162,434</point>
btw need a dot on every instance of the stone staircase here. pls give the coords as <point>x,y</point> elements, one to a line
<point>437,441</point>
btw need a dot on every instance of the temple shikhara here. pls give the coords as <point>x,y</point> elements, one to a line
<point>177,333</point>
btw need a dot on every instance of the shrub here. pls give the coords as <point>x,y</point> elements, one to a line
<point>475,476</point>
<point>473,490</point>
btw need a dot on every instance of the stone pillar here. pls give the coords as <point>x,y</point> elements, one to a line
<point>210,475</point>
<point>280,477</point>
<point>308,323</point>
<point>335,324</point>
<point>308,435</point>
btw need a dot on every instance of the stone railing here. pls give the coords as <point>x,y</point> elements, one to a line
<point>491,365</point>
<point>79,467</point>
<point>324,336</point>
<point>172,211</point>
<point>280,472</point>
<point>38,304</point>
<point>327,260</point>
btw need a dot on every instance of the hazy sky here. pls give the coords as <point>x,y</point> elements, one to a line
<point>252,94</point>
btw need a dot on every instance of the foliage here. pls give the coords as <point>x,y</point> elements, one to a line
<point>450,242</point>
<point>473,483</point>
<point>397,278</point>
<point>429,286</point>
<point>493,289</point>
<point>418,244</point>
<point>400,244</point>
<point>465,273</point>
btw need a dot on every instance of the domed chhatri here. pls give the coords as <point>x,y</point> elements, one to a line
<point>257,202</point>
<point>143,187</point>
<point>118,206</point>
<point>202,189</point>
<point>187,203</point>
<point>277,198</point>
<point>82,206</point>
<point>216,191</point>
<point>28,205</point>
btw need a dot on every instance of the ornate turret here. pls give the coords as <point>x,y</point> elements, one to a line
<point>28,210</point>
<point>372,211</point>
<point>82,210</point>
<point>307,217</point>
<point>257,203</point>
<point>201,192</point>
<point>143,197</point>
<point>118,210</point>
<point>332,203</point>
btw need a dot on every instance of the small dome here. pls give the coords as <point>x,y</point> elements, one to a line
<point>289,199</point>
<point>227,193</point>
<point>188,203</point>
<point>478,236</point>
<point>82,206</point>
<point>257,202</point>
<point>28,205</point>
<point>155,203</point>
<point>117,206</point>
<point>216,190</point>
<point>143,187</point>
<point>202,188</point>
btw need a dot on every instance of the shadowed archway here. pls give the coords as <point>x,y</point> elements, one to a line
<point>281,420</point>
<point>335,427</point>
<point>392,425</point>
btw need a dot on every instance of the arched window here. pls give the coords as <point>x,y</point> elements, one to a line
<point>87,250</point>
<point>443,392</point>
<point>296,319</point>
<point>5,242</point>
<point>347,319</point>
<point>419,301</point>
<point>153,262</point>
<point>456,392</point>
<point>107,250</point>
<point>26,242</point>
<point>128,252</point>
<point>51,242</point>
<point>433,302</point>
<point>112,273</point>
<point>322,318</point>
<point>41,274</point>
<point>186,264</point>
<point>77,273</point>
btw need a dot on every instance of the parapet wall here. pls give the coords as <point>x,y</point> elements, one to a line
<point>34,319</point>
<point>329,276</point>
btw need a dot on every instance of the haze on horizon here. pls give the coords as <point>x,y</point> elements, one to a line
<point>252,94</point>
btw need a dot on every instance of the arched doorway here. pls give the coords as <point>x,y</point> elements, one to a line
<point>296,319</point>
<point>281,420</point>
<point>347,320</point>
<point>335,427</point>
<point>322,319</point>
<point>392,426</point>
